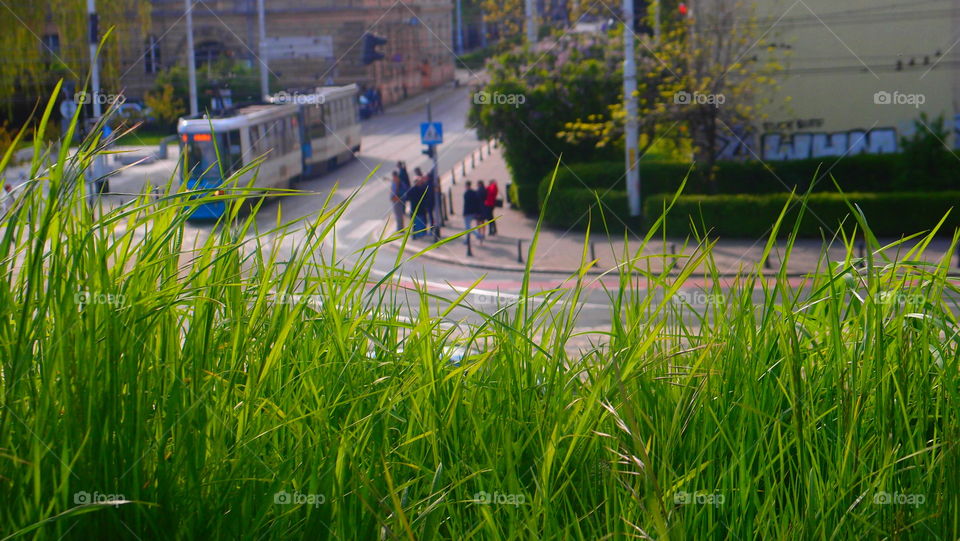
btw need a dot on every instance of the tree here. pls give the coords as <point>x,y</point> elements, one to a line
<point>242,80</point>
<point>165,107</point>
<point>531,96</point>
<point>703,84</point>
<point>35,59</point>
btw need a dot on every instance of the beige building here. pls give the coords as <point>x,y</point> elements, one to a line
<point>310,42</point>
<point>858,74</point>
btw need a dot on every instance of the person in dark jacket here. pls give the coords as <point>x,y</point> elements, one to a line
<point>417,196</point>
<point>471,207</point>
<point>404,178</point>
<point>398,196</point>
<point>481,212</point>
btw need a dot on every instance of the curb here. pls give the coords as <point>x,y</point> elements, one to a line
<point>463,262</point>
<point>449,260</point>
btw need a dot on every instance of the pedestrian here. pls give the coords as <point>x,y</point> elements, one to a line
<point>416,195</point>
<point>470,208</point>
<point>481,191</point>
<point>398,197</point>
<point>404,178</point>
<point>433,209</point>
<point>489,203</point>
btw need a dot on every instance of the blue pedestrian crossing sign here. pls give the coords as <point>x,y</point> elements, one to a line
<point>431,133</point>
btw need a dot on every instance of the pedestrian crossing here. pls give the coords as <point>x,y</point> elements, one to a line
<point>357,231</point>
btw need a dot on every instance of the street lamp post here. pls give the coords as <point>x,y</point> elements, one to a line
<point>191,60</point>
<point>459,27</point>
<point>94,61</point>
<point>630,102</point>
<point>264,80</point>
<point>529,8</point>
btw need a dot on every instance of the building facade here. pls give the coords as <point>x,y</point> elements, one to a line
<point>309,42</point>
<point>858,75</point>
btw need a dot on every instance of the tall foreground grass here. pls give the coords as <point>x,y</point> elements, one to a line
<point>157,389</point>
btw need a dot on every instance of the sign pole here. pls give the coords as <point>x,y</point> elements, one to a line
<point>436,171</point>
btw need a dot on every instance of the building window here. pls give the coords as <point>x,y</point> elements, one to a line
<point>51,44</point>
<point>208,52</point>
<point>151,58</point>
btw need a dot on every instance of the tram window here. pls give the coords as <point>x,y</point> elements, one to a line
<point>202,156</point>
<point>232,153</point>
<point>255,147</point>
<point>315,127</point>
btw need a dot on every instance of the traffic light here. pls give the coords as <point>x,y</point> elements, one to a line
<point>428,152</point>
<point>370,52</point>
<point>641,21</point>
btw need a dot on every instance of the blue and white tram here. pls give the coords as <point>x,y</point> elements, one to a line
<point>297,138</point>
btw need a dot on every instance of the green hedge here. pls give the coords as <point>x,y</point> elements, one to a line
<point>862,173</point>
<point>889,214</point>
<point>569,209</point>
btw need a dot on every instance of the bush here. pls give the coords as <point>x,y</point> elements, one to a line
<point>166,107</point>
<point>863,173</point>
<point>879,173</point>
<point>890,214</point>
<point>569,209</point>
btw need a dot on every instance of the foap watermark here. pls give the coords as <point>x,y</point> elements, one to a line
<point>698,498</point>
<point>897,498</point>
<point>294,299</point>
<point>299,498</point>
<point>899,98</point>
<point>111,299</point>
<point>696,297</point>
<point>496,98</point>
<point>899,298</point>
<point>84,97</point>
<point>499,498</point>
<point>299,98</point>
<point>699,98</point>
<point>83,497</point>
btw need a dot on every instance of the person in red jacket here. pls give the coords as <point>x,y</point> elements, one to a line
<point>489,203</point>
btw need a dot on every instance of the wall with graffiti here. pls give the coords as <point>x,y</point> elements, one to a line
<point>784,141</point>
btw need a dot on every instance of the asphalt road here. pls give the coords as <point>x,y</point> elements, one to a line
<point>386,139</point>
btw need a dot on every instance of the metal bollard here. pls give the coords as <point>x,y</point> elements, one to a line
<point>593,252</point>
<point>469,251</point>
<point>453,176</point>
<point>860,249</point>
<point>673,249</point>
<point>463,168</point>
<point>473,160</point>
<point>450,200</point>
<point>519,251</point>
<point>481,153</point>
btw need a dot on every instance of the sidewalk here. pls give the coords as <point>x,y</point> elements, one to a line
<point>560,251</point>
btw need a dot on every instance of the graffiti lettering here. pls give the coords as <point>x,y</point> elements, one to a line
<point>777,147</point>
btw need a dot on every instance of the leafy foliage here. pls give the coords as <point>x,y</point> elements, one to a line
<point>572,80</point>
<point>165,106</point>
<point>705,79</point>
<point>30,68</point>
<point>242,80</point>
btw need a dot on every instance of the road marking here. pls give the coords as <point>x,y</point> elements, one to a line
<point>364,229</point>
